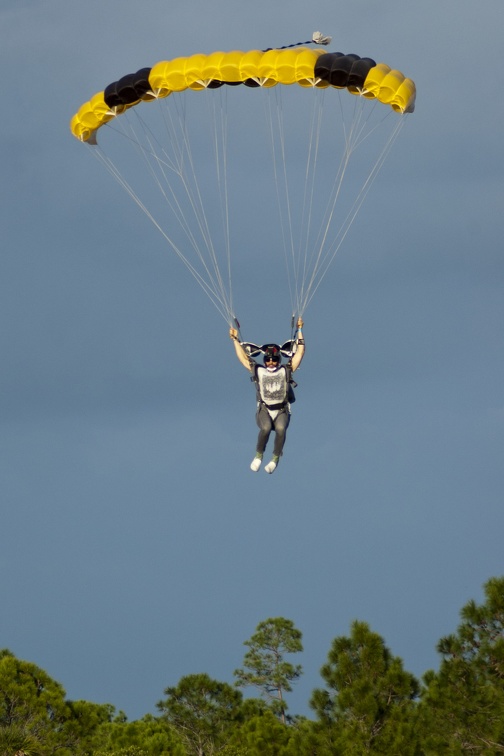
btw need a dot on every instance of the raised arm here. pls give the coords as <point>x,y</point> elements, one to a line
<point>240,352</point>
<point>299,353</point>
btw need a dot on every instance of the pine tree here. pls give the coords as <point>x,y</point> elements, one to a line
<point>367,706</point>
<point>202,711</point>
<point>36,718</point>
<point>462,706</point>
<point>264,665</point>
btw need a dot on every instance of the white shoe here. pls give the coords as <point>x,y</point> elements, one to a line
<point>256,464</point>
<point>271,466</point>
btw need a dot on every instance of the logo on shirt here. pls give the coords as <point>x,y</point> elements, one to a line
<point>272,386</point>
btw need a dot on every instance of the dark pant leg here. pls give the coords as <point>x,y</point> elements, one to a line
<point>280,425</point>
<point>265,425</point>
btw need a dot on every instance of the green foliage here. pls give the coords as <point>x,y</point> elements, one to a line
<point>305,740</point>
<point>264,666</point>
<point>234,750</point>
<point>202,711</point>
<point>462,707</point>
<point>368,704</point>
<point>35,717</point>
<point>262,735</point>
<point>150,736</point>
<point>128,751</point>
<point>15,739</point>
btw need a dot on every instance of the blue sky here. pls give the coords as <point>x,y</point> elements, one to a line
<point>136,544</point>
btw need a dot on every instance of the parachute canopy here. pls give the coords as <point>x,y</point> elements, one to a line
<point>255,68</point>
<point>234,170</point>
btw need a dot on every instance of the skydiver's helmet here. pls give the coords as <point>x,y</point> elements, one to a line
<point>272,355</point>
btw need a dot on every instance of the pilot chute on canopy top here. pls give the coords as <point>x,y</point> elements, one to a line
<point>310,133</point>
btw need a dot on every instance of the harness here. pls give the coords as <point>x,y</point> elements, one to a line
<point>291,385</point>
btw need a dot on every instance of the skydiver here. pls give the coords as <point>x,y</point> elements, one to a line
<point>273,387</point>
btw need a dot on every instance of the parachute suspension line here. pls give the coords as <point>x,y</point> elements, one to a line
<point>352,137</point>
<point>219,119</point>
<point>189,179</point>
<point>295,261</point>
<point>274,118</point>
<point>317,253</point>
<point>182,157</point>
<point>115,173</point>
<point>153,160</point>
<point>328,257</point>
<point>304,255</point>
<point>178,138</point>
<point>167,171</point>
